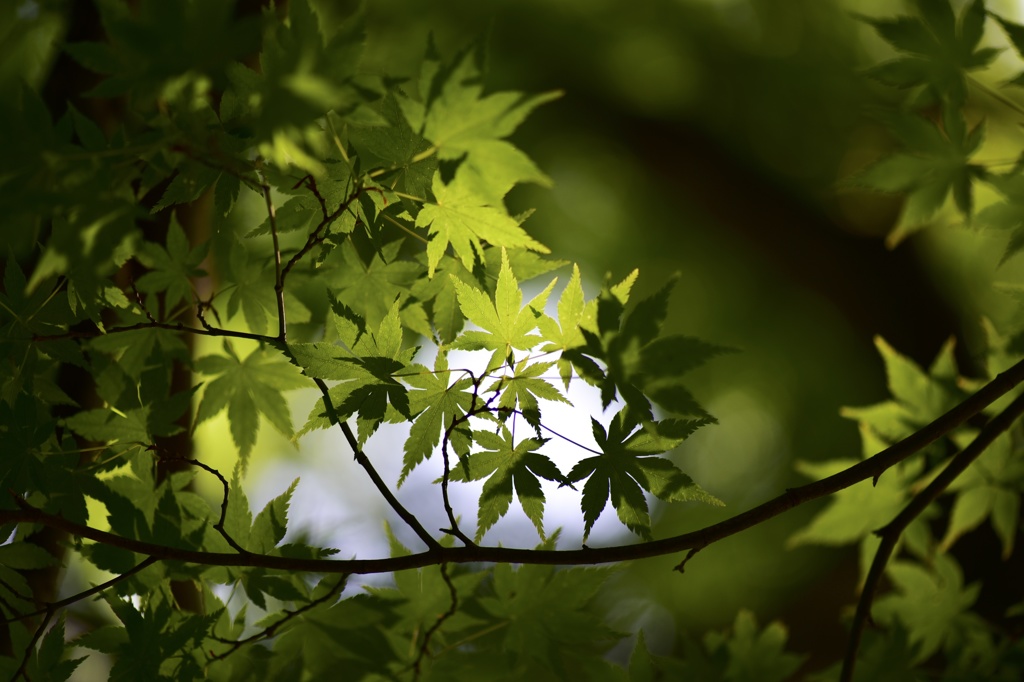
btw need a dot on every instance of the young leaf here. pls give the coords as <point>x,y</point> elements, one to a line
<point>464,220</point>
<point>371,289</point>
<point>565,333</point>
<point>505,324</point>
<point>524,387</point>
<point>437,405</point>
<point>270,525</point>
<point>639,366</point>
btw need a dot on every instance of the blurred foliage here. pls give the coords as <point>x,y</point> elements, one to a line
<point>738,142</point>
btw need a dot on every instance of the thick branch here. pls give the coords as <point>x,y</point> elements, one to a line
<point>869,468</point>
<point>891,533</point>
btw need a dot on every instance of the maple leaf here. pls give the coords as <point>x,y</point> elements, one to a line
<point>566,333</point>
<point>505,324</point>
<point>524,387</point>
<point>551,621</point>
<point>506,465</point>
<point>247,388</point>
<point>918,396</point>
<point>421,594</point>
<point>437,404</point>
<point>461,218</point>
<point>367,370</point>
<point>371,289</point>
<point>932,604</point>
<point>640,366</point>
<point>462,124</point>
<point>254,293</point>
<point>171,268</point>
<point>935,161</point>
<point>446,315</point>
<point>942,48</point>
<point>1006,214</point>
<point>628,465</point>
<point>989,488</point>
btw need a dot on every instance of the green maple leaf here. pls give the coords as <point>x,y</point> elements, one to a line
<point>1015,32</point>
<point>935,162</point>
<point>371,289</point>
<point>172,268</point>
<point>941,48</point>
<point>1007,214</point>
<point>367,369</point>
<point>754,653</point>
<point>247,388</point>
<point>506,465</point>
<point>396,148</point>
<point>465,220</point>
<point>550,616</point>
<point>640,366</point>
<point>505,324</point>
<point>918,396</point>
<point>989,488</point>
<point>932,604</point>
<point>566,333</point>
<point>48,662</point>
<point>440,290</point>
<point>628,465</point>
<point>524,387</point>
<point>463,124</point>
<point>437,404</point>
<point>160,41</point>
<point>191,180</point>
<point>420,595</point>
<point>254,289</point>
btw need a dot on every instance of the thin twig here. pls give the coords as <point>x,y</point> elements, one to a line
<point>68,601</point>
<point>51,608</point>
<point>446,474</point>
<point>278,280</point>
<point>452,608</point>
<point>178,327</point>
<point>22,670</point>
<point>364,462</point>
<point>890,535</point>
<point>316,237</point>
<point>271,630</point>
<point>219,526</point>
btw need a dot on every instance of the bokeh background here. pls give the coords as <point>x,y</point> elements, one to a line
<point>709,138</point>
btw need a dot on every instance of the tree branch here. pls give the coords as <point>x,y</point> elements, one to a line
<point>869,468</point>
<point>177,327</point>
<point>271,630</point>
<point>367,465</point>
<point>452,608</point>
<point>282,324</point>
<point>891,533</point>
